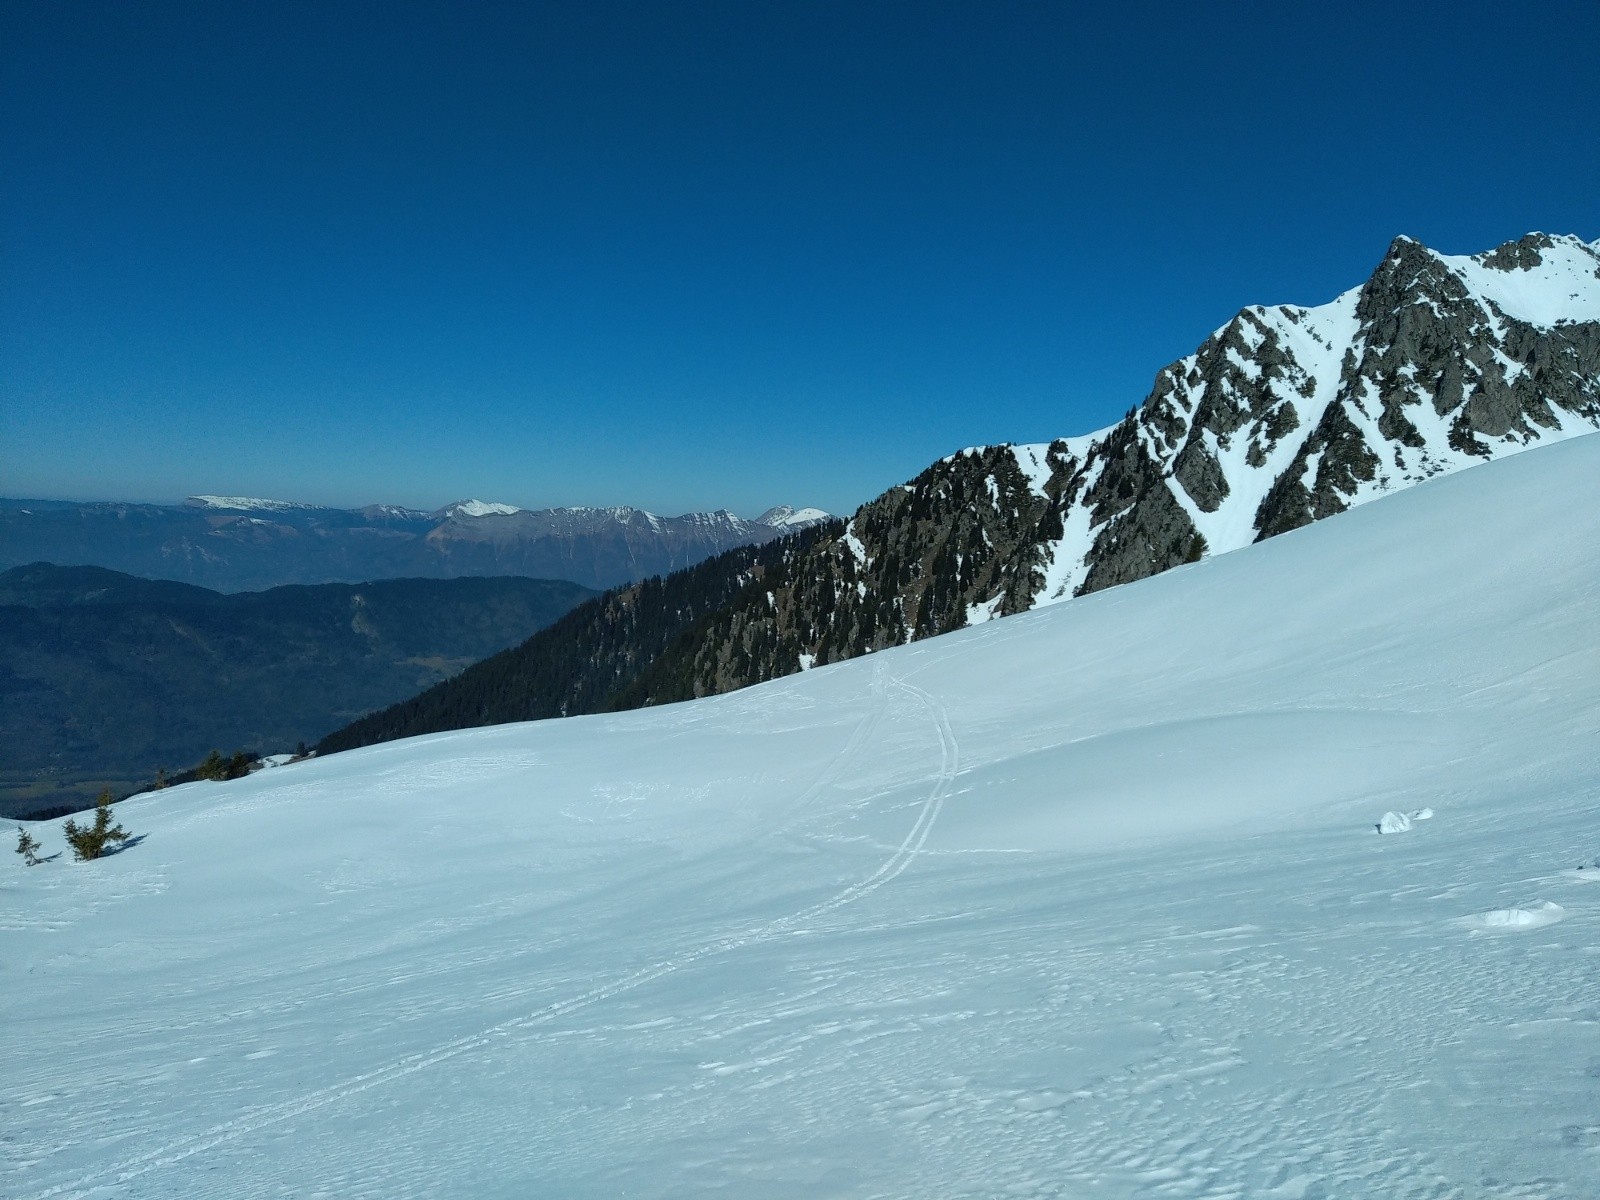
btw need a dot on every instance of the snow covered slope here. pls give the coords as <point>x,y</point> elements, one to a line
<point>1086,903</point>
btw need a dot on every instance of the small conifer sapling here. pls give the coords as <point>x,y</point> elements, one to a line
<point>28,847</point>
<point>91,843</point>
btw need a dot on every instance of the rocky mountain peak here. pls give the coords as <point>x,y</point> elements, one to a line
<point>1283,416</point>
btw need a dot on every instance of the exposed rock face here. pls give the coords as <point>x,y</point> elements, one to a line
<point>1330,465</point>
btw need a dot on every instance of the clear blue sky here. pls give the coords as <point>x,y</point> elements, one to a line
<point>692,255</point>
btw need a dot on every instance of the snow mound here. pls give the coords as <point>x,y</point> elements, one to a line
<point>1516,919</point>
<point>1397,822</point>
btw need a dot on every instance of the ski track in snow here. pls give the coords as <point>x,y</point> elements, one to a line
<point>177,1152</point>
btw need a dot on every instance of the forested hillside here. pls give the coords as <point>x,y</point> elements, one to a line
<point>592,659</point>
<point>104,677</point>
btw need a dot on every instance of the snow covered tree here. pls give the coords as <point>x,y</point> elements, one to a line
<point>91,843</point>
<point>28,847</point>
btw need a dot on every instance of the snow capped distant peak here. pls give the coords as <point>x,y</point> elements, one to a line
<point>392,511</point>
<point>245,504</point>
<point>477,508</point>
<point>788,518</point>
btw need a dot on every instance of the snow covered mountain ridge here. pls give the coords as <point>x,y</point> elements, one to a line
<point>1282,416</point>
<point>782,516</point>
<point>1286,414</point>
<point>247,504</point>
<point>242,543</point>
<point>475,508</point>
<point>785,517</point>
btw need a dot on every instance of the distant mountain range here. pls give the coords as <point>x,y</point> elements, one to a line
<point>1283,416</point>
<point>240,543</point>
<point>105,677</point>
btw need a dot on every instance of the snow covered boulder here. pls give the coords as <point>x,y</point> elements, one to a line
<point>1394,822</point>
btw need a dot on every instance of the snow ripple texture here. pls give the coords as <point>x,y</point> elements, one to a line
<point>1083,903</point>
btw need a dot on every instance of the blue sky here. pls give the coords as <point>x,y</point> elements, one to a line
<point>687,255</point>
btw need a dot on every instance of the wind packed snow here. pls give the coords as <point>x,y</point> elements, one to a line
<point>1081,903</point>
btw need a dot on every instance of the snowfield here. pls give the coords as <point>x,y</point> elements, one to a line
<point>1089,902</point>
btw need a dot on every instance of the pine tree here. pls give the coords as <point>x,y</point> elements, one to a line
<point>28,847</point>
<point>91,843</point>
